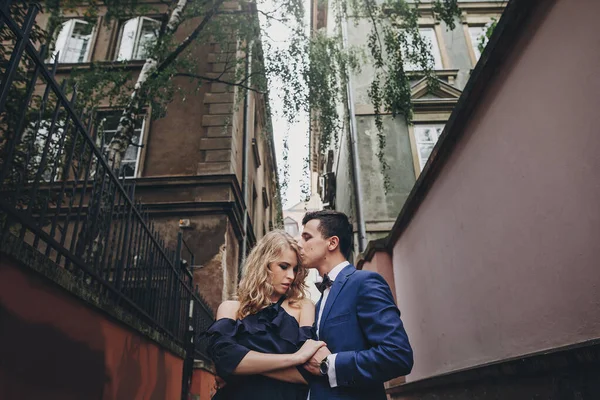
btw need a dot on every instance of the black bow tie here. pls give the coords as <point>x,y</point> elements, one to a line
<point>326,283</point>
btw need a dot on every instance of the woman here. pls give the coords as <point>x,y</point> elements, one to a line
<point>258,341</point>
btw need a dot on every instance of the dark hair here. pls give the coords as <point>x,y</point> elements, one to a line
<point>333,223</point>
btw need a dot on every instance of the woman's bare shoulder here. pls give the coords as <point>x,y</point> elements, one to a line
<point>228,309</point>
<point>307,312</point>
<point>306,304</point>
<point>301,303</point>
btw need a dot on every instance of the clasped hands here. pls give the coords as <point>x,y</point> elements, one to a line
<point>309,356</point>
<point>313,363</point>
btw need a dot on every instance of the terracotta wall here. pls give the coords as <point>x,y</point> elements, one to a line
<point>52,346</point>
<point>203,385</point>
<point>381,262</point>
<point>502,258</point>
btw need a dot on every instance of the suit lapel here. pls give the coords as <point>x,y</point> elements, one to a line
<point>336,288</point>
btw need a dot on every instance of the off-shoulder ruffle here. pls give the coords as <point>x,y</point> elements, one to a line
<point>271,330</point>
<point>271,320</point>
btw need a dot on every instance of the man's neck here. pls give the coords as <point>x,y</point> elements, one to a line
<point>330,264</point>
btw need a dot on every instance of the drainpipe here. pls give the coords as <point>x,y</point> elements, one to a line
<point>246,134</point>
<point>356,171</point>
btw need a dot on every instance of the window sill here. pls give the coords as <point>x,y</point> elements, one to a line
<point>67,67</point>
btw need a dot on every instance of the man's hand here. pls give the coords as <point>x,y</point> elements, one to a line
<point>219,383</point>
<point>314,363</point>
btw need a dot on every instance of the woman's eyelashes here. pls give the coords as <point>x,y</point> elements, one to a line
<point>286,266</point>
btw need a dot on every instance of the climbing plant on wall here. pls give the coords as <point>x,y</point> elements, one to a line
<point>313,65</point>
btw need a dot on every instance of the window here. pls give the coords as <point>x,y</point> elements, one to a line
<point>428,36</point>
<point>73,42</point>
<point>254,205</point>
<point>255,152</point>
<point>110,123</point>
<point>476,33</point>
<point>291,226</point>
<point>426,136</point>
<point>51,164</point>
<point>138,35</point>
<point>265,198</point>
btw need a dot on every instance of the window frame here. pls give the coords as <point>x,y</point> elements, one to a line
<point>73,20</point>
<point>42,138</point>
<point>477,19</point>
<point>438,43</point>
<point>144,133</point>
<point>135,49</point>
<point>475,46</point>
<point>424,119</point>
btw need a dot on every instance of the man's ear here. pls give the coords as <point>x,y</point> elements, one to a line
<point>334,243</point>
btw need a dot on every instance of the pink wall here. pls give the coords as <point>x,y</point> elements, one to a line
<point>381,262</point>
<point>502,257</point>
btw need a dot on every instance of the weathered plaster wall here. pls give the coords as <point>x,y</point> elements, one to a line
<point>501,258</point>
<point>53,346</point>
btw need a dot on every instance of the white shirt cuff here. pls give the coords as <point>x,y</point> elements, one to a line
<point>331,370</point>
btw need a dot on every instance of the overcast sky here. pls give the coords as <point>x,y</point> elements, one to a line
<point>297,133</point>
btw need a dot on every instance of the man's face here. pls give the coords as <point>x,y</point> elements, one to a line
<point>313,246</point>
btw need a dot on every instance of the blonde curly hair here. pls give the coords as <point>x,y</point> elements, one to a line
<point>255,289</point>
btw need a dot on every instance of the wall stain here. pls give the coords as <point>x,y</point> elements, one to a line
<point>37,359</point>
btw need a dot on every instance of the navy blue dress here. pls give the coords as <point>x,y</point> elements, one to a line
<point>271,330</point>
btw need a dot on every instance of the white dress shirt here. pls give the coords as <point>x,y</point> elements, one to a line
<point>331,358</point>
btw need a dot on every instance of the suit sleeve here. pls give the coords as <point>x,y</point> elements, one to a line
<point>389,354</point>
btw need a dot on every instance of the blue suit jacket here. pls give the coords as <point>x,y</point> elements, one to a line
<point>362,324</point>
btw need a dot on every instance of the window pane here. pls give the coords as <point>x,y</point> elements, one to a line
<point>128,168</point>
<point>476,33</point>
<point>127,40</point>
<point>426,136</point>
<point>429,37</point>
<point>137,38</point>
<point>61,39</point>
<point>424,152</point>
<point>110,124</point>
<point>147,38</point>
<point>46,143</point>
<point>132,151</point>
<point>73,41</point>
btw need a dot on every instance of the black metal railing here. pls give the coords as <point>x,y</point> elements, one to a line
<point>188,258</point>
<point>60,197</point>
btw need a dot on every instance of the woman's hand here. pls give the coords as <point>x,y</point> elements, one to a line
<point>308,349</point>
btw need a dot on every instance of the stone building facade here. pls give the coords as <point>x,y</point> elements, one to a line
<point>188,165</point>
<point>408,146</point>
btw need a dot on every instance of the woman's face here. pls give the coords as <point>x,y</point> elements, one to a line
<point>283,272</point>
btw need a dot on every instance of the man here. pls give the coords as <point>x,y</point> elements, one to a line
<point>356,316</point>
